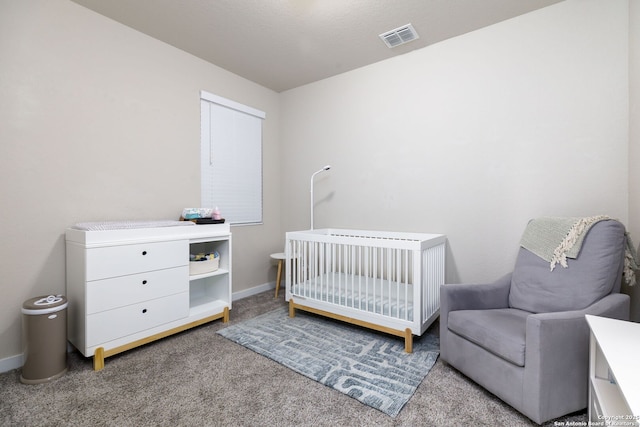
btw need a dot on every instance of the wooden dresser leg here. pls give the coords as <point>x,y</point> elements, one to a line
<point>98,359</point>
<point>292,308</point>
<point>225,316</point>
<point>408,341</point>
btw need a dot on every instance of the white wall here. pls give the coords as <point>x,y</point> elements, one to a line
<point>634,139</point>
<point>470,137</point>
<point>100,122</point>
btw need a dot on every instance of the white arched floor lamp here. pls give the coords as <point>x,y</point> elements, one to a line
<point>326,168</point>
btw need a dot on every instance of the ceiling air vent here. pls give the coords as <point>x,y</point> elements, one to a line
<point>400,35</point>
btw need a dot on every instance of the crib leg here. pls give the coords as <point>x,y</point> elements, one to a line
<point>408,341</point>
<point>292,309</point>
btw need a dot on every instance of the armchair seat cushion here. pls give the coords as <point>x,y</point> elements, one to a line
<point>499,331</point>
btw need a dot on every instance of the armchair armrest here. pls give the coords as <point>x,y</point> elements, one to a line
<point>469,297</point>
<point>475,297</point>
<point>557,348</point>
<point>615,306</point>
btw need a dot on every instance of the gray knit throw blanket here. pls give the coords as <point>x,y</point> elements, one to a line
<point>555,239</point>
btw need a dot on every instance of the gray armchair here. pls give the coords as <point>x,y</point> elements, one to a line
<point>524,337</point>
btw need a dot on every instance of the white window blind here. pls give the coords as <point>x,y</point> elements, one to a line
<point>231,159</point>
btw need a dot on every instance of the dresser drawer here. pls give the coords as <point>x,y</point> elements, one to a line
<point>107,294</point>
<point>117,323</point>
<point>114,261</point>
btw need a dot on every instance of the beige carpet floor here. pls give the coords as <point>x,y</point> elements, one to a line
<point>199,378</point>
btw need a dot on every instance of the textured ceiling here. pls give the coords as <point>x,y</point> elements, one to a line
<point>283,44</point>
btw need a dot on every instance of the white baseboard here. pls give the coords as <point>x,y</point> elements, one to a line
<point>15,362</point>
<point>10,363</point>
<point>253,291</point>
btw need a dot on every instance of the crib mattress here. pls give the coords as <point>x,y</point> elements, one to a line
<point>373,295</point>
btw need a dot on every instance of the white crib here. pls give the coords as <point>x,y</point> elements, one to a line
<point>387,281</point>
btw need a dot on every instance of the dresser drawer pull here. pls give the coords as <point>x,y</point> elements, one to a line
<point>144,253</point>
<point>144,282</point>
<point>144,310</point>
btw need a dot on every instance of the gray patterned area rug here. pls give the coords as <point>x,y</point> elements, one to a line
<point>370,367</point>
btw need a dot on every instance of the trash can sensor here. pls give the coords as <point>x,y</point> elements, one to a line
<point>45,339</point>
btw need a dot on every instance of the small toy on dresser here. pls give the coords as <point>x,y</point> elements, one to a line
<point>202,215</point>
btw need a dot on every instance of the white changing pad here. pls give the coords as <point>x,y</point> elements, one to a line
<point>124,225</point>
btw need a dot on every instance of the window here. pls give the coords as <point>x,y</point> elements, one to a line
<point>231,159</point>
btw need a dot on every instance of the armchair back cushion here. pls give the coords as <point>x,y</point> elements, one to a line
<point>595,273</point>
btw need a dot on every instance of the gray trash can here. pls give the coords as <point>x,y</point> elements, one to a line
<point>45,339</point>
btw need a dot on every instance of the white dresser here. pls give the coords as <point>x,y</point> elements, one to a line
<point>614,372</point>
<point>129,287</point>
